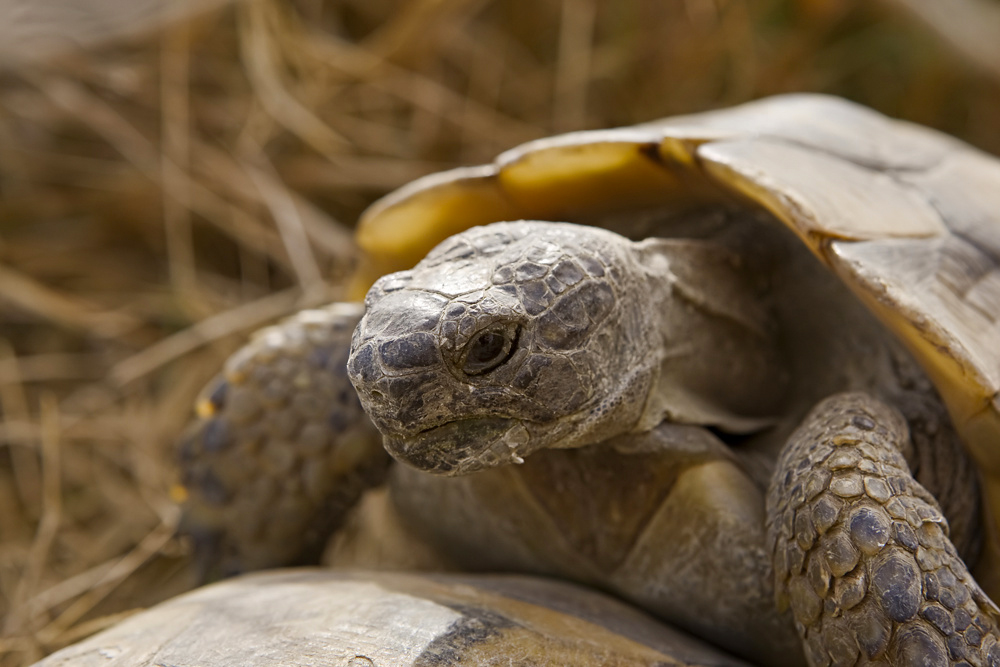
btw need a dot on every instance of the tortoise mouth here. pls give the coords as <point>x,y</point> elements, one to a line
<point>456,447</point>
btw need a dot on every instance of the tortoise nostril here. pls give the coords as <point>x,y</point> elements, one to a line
<point>377,395</point>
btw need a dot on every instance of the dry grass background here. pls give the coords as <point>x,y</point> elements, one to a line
<point>163,196</point>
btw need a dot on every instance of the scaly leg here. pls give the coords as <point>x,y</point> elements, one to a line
<point>281,449</point>
<point>861,549</point>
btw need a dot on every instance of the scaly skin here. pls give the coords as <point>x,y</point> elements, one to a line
<point>282,448</point>
<point>861,549</point>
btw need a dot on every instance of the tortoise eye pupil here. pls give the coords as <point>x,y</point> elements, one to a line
<point>486,347</point>
<point>487,351</point>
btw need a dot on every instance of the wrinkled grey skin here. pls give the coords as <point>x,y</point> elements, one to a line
<point>519,336</point>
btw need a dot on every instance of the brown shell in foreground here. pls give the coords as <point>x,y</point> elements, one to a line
<point>323,618</point>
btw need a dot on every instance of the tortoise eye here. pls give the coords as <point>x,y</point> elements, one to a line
<point>488,350</point>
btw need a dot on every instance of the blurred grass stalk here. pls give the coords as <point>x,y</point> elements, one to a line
<point>970,27</point>
<point>32,29</point>
<point>165,194</point>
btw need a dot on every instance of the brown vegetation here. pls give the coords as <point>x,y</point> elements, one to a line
<point>163,196</point>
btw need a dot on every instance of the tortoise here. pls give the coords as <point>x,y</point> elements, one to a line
<point>740,368</point>
<point>323,618</point>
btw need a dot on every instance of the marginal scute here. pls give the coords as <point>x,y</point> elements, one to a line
<point>897,279</point>
<point>825,124</point>
<point>562,177</point>
<point>832,199</point>
<point>400,229</point>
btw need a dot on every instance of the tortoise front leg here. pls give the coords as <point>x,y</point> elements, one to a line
<point>281,450</point>
<point>861,550</point>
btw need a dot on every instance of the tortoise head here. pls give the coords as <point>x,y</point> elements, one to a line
<point>518,336</point>
<point>505,339</point>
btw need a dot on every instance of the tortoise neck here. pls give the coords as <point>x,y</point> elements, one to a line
<point>715,346</point>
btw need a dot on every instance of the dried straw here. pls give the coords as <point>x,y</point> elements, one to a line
<point>164,195</point>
